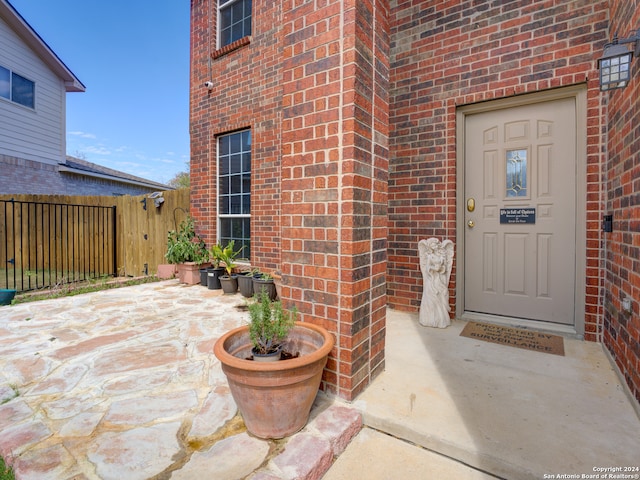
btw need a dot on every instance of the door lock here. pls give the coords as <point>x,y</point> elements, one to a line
<point>471,223</point>
<point>471,204</point>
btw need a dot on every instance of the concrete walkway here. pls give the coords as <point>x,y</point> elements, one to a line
<point>512,413</point>
<point>122,384</point>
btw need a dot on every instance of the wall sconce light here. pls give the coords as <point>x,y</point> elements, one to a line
<point>615,64</point>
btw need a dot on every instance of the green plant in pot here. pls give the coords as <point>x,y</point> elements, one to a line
<point>263,282</point>
<point>216,270</point>
<point>245,283</point>
<point>268,327</point>
<point>274,398</point>
<point>228,256</point>
<point>187,250</point>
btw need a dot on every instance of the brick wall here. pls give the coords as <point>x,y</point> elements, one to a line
<point>307,85</point>
<point>334,169</point>
<point>622,173</point>
<point>352,107</point>
<point>448,54</point>
<point>247,93</point>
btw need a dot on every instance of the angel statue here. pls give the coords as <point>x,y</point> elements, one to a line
<point>435,263</point>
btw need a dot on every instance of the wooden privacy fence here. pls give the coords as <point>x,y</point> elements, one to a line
<point>46,240</point>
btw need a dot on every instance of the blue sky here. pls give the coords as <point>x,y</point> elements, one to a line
<point>133,58</point>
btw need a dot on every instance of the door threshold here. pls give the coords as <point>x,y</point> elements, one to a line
<point>568,331</point>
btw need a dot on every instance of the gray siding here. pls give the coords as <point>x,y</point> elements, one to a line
<point>33,134</point>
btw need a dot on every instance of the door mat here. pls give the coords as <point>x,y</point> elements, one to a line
<point>515,337</point>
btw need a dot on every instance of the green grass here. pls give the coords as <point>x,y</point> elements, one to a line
<point>34,280</point>
<point>70,289</point>
<point>6,472</point>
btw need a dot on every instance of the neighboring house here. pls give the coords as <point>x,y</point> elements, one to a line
<point>33,87</point>
<point>80,177</point>
<point>340,133</point>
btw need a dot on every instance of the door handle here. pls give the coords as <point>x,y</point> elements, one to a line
<point>471,204</point>
<point>471,223</point>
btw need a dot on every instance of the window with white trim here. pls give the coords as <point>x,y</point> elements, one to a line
<point>234,191</point>
<point>234,20</point>
<point>16,88</point>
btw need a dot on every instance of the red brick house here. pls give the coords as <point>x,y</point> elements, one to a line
<point>331,136</point>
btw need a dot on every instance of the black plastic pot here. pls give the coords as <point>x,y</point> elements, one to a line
<point>259,284</point>
<point>204,276</point>
<point>229,283</point>
<point>245,284</point>
<point>213,278</point>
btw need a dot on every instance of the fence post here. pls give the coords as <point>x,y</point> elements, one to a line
<point>115,241</point>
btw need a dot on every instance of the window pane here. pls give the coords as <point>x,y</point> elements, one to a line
<point>22,91</point>
<point>225,36</point>
<point>237,12</point>
<point>225,228</point>
<point>246,204</point>
<point>236,183</point>
<point>224,205</point>
<point>223,185</point>
<point>224,166</point>
<point>5,87</point>
<point>236,229</point>
<point>236,205</point>
<point>236,163</point>
<point>235,139</point>
<point>246,162</point>
<point>234,20</point>
<point>516,173</point>
<point>225,17</point>
<point>234,189</point>
<point>223,145</point>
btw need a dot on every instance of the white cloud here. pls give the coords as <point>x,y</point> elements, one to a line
<point>98,150</point>
<point>82,134</point>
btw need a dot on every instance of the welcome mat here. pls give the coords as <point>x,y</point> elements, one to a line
<point>515,337</point>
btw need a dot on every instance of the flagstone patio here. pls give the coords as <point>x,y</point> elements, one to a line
<point>123,384</point>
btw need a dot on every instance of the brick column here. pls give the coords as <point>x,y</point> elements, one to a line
<point>334,178</point>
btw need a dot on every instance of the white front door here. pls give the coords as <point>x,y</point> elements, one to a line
<point>520,212</point>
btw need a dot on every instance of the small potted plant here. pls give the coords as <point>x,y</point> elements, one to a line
<point>268,327</point>
<point>264,282</point>
<point>216,270</point>
<point>188,251</point>
<point>245,283</point>
<point>229,281</point>
<point>274,398</point>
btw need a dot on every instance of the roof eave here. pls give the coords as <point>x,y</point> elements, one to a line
<point>40,47</point>
<point>85,173</point>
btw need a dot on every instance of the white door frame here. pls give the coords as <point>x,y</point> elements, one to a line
<point>579,93</point>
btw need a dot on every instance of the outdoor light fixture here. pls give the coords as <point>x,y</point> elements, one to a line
<point>615,64</point>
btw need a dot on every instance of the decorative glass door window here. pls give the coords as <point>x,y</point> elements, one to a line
<point>517,173</point>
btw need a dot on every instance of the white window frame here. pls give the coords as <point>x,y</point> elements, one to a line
<point>10,98</point>
<point>222,4</point>
<point>220,216</point>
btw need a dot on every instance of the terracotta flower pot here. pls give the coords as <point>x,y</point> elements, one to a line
<point>275,398</point>
<point>166,271</point>
<point>189,273</point>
